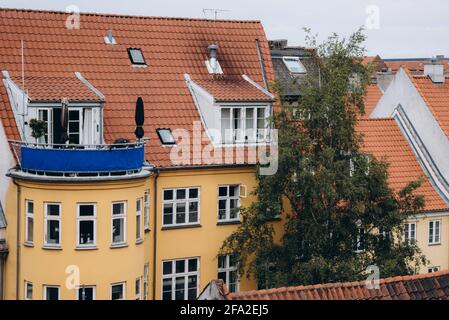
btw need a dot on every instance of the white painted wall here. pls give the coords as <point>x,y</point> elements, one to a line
<point>6,162</point>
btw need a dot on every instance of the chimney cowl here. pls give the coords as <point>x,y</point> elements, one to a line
<point>213,65</point>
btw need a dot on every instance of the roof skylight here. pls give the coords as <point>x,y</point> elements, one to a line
<point>136,56</point>
<point>294,65</point>
<point>166,136</point>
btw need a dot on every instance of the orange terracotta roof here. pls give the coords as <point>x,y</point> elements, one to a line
<point>57,88</point>
<point>436,96</point>
<point>372,97</point>
<point>415,66</point>
<point>233,90</point>
<point>384,140</point>
<point>431,286</point>
<point>172,47</point>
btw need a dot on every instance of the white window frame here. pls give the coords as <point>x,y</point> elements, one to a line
<point>139,216</point>
<point>94,291</point>
<point>408,232</point>
<point>433,235</point>
<point>51,286</point>
<point>184,274</point>
<point>360,246</point>
<point>53,218</point>
<point>79,219</point>
<point>119,216</point>
<point>146,273</point>
<point>174,203</point>
<point>28,283</point>
<point>227,270</point>
<point>28,216</point>
<point>228,135</point>
<point>146,210</point>
<point>80,126</point>
<point>228,203</point>
<point>123,284</point>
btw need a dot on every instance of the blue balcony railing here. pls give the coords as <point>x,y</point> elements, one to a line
<point>80,159</point>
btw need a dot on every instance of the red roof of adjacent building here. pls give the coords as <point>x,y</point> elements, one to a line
<point>416,67</point>
<point>56,88</point>
<point>372,97</point>
<point>384,140</point>
<point>172,47</point>
<point>431,286</point>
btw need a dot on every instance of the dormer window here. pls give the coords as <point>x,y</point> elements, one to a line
<point>136,56</point>
<point>294,65</point>
<point>166,136</point>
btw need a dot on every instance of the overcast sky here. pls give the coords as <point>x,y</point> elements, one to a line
<point>395,29</point>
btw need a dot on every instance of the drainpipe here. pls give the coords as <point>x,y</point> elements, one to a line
<point>18,240</point>
<point>155,232</point>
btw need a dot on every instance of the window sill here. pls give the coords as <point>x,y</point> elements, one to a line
<point>119,245</point>
<point>47,247</point>
<point>147,230</point>
<point>228,223</point>
<point>181,227</point>
<point>86,248</point>
<point>28,244</point>
<point>140,241</point>
<point>434,244</point>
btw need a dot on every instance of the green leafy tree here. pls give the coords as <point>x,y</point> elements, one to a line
<point>341,215</point>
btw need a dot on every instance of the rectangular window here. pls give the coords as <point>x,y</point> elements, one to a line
<point>146,273</point>
<point>227,271</point>
<point>29,222</point>
<point>180,279</point>
<point>51,293</point>
<point>87,216</point>
<point>44,115</point>
<point>243,124</point>
<point>434,232</point>
<point>294,65</point>
<point>410,232</point>
<point>86,293</point>
<point>74,126</point>
<point>52,224</point>
<point>228,203</point>
<point>138,219</point>
<point>146,210</point>
<point>138,288</point>
<point>28,290</point>
<point>181,206</point>
<point>118,291</point>
<point>118,223</point>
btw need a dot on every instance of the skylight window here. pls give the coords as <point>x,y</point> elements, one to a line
<point>166,136</point>
<point>136,56</point>
<point>294,65</point>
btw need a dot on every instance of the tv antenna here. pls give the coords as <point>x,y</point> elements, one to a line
<point>215,12</point>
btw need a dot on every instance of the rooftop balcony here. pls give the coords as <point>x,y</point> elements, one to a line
<point>79,160</point>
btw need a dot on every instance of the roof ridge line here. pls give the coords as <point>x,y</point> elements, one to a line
<point>117,15</point>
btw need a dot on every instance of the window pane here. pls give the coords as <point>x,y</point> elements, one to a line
<point>168,213</point>
<point>52,293</point>
<point>138,205</point>
<point>193,193</point>
<point>117,292</point>
<point>180,194</point>
<point>138,227</point>
<point>168,194</point>
<point>180,288</point>
<point>222,276</point>
<point>29,291</point>
<point>53,210</point>
<point>86,293</point>
<point>180,266</point>
<point>118,208</point>
<point>180,213</point>
<point>86,232</point>
<point>222,209</point>
<point>30,227</point>
<point>53,232</point>
<point>193,212</point>
<point>226,132</point>
<point>192,287</point>
<point>223,191</point>
<point>118,234</point>
<point>86,210</point>
<point>193,265</point>
<point>233,191</point>
<point>167,267</point>
<point>30,207</point>
<point>222,262</point>
<point>167,289</point>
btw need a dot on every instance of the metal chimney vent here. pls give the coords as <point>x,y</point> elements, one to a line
<point>435,71</point>
<point>213,66</point>
<point>109,39</point>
